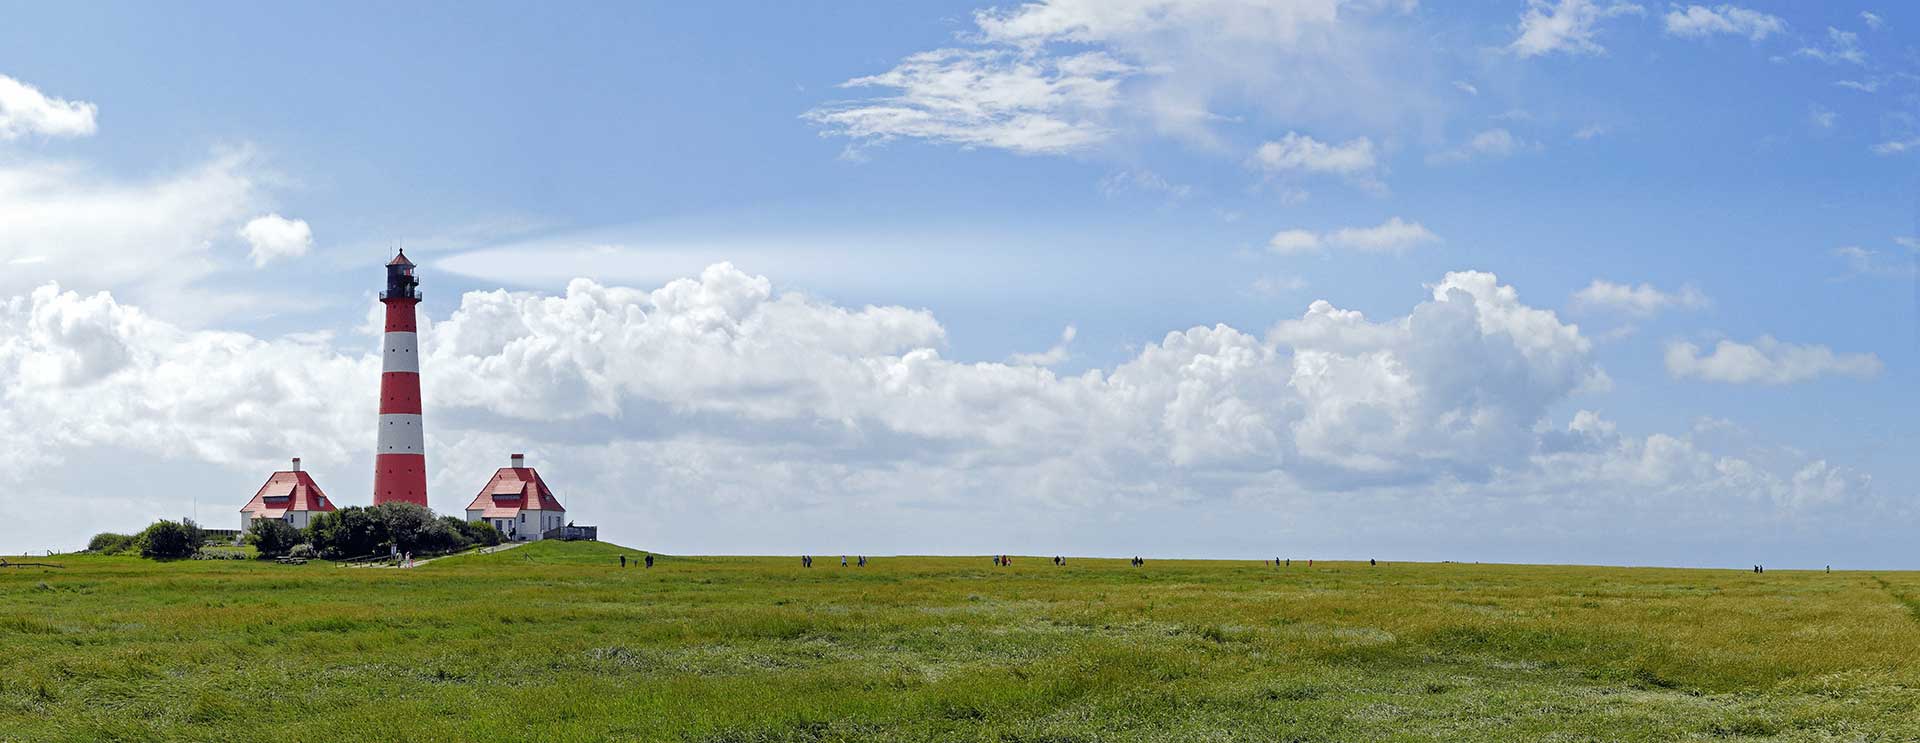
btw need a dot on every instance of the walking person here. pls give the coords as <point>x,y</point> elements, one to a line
<point>649,560</point>
<point>623,561</point>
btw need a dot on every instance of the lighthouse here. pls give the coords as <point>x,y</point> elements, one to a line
<point>400,464</point>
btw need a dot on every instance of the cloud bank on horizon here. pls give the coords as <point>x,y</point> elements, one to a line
<point>1346,306</point>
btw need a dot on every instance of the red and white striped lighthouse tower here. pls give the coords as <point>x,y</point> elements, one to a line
<point>400,464</point>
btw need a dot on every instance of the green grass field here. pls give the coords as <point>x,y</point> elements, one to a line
<point>554,641</point>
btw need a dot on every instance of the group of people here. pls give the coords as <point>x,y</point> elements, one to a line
<point>623,560</point>
<point>806,561</point>
<point>1002,560</point>
<point>1136,561</point>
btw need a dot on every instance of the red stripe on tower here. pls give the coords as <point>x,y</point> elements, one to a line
<point>400,461</point>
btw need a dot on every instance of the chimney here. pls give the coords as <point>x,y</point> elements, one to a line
<point>296,464</point>
<point>519,461</point>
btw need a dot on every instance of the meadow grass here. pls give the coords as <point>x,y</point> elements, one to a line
<point>553,641</point>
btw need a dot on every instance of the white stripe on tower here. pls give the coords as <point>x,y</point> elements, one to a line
<point>400,433</point>
<point>403,353</point>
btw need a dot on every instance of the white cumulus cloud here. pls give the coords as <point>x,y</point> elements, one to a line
<point>1766,361</point>
<point>24,110</point>
<point>717,397</point>
<point>273,237</point>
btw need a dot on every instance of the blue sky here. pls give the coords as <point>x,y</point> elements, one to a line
<point>1715,203</point>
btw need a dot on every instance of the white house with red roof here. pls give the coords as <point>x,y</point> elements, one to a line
<point>518,503</point>
<point>291,496</point>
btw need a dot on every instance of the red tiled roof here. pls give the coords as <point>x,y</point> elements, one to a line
<point>512,490</point>
<point>288,491</point>
<point>400,260</point>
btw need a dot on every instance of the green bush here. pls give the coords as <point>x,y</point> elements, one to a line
<point>109,543</point>
<point>479,532</point>
<point>348,532</point>
<point>357,532</point>
<point>272,537</point>
<point>166,540</point>
<point>406,525</point>
<point>196,536</point>
<point>444,535</point>
<point>303,551</point>
<point>221,553</point>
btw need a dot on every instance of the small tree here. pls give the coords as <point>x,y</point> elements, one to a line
<point>444,535</point>
<point>348,532</point>
<point>479,532</point>
<point>109,543</point>
<point>165,540</point>
<point>272,537</point>
<point>196,536</point>
<point>405,524</point>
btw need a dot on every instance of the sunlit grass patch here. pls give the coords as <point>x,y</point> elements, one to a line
<point>555,641</point>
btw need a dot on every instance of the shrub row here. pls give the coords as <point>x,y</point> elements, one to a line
<point>406,527</point>
<point>348,532</point>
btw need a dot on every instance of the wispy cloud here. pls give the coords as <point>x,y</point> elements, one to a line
<point>1821,117</point>
<point>1065,76</point>
<point>1492,143</point>
<point>1842,46</point>
<point>1295,153</point>
<point>1392,236</point>
<point>1644,300</point>
<point>1897,146</point>
<point>1121,182</point>
<point>988,98</point>
<point>1699,21</point>
<point>1057,354</point>
<point>1569,26</point>
<point>1878,264</point>
<point>1590,131</point>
